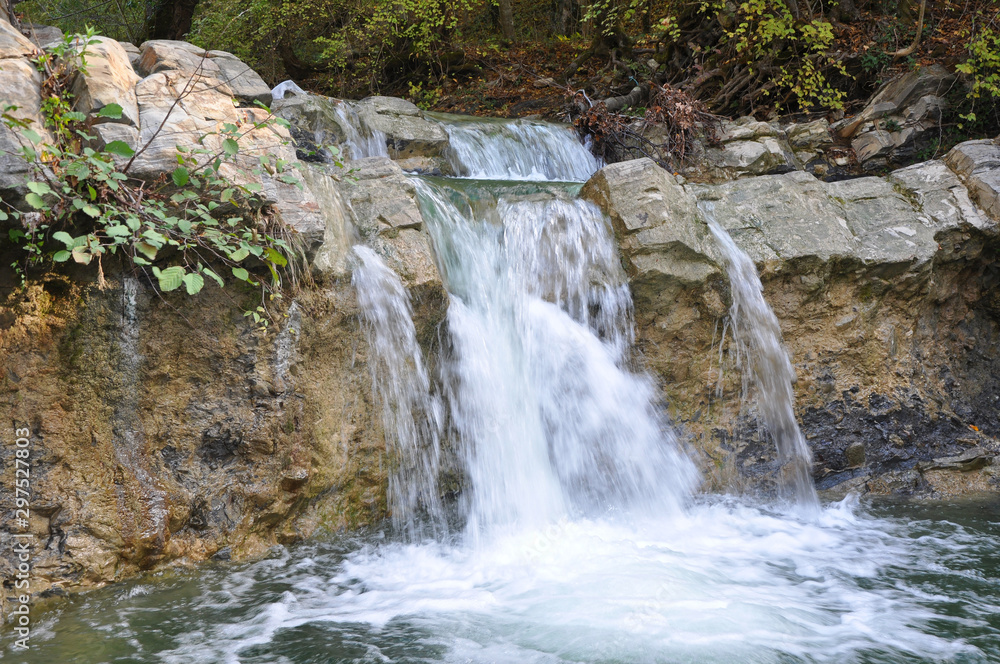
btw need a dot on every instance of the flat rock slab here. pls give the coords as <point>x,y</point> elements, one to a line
<point>978,164</point>
<point>408,133</point>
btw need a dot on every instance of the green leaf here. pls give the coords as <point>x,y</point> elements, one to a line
<point>40,188</point>
<point>120,148</point>
<point>194,282</point>
<point>65,238</point>
<point>180,176</point>
<point>239,254</point>
<point>241,274</point>
<point>147,249</point>
<point>35,201</point>
<point>170,278</point>
<point>92,211</point>
<point>230,147</point>
<point>217,278</point>
<point>75,116</point>
<point>117,231</point>
<point>92,192</point>
<point>184,225</point>
<point>227,195</point>
<point>61,256</point>
<point>139,260</point>
<point>112,111</point>
<point>275,257</point>
<point>32,136</point>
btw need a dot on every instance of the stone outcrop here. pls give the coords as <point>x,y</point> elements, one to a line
<point>170,429</point>
<point>886,292</point>
<point>408,133</point>
<point>899,119</point>
<point>109,79</point>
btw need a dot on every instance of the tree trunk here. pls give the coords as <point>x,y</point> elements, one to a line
<point>564,17</point>
<point>172,19</point>
<point>506,19</point>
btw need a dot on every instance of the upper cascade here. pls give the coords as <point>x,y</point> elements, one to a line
<point>515,150</point>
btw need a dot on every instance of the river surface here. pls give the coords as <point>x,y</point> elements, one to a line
<point>725,582</point>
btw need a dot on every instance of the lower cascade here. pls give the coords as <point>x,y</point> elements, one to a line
<point>544,506</point>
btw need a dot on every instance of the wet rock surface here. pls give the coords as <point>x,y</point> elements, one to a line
<point>885,289</point>
<point>168,429</point>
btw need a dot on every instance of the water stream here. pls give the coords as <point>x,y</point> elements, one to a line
<point>579,535</point>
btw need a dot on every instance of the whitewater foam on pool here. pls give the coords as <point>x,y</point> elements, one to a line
<point>725,582</point>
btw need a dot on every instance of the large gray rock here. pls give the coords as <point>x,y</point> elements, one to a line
<point>382,197</point>
<point>656,222</point>
<point>408,133</point>
<point>242,82</point>
<point>108,79</point>
<point>383,207</point>
<point>20,86</point>
<point>332,258</point>
<point>44,36</point>
<point>12,43</point>
<point>246,84</point>
<point>896,95</point>
<point>978,164</point>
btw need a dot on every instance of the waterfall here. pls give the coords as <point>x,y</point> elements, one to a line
<point>516,150</point>
<point>128,439</point>
<point>758,337</point>
<point>410,414</point>
<point>549,421</point>
<point>360,140</point>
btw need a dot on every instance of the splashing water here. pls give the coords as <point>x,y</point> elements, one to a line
<point>549,423</point>
<point>410,415</point>
<point>758,335</point>
<point>515,150</point>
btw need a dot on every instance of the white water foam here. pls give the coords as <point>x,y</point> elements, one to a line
<point>757,333</point>
<point>410,414</point>
<point>516,150</point>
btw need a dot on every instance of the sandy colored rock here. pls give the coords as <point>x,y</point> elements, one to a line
<point>109,79</point>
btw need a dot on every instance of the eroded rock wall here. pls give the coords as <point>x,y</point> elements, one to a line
<point>886,293</point>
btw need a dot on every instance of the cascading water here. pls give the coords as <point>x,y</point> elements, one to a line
<point>410,414</point>
<point>515,150</point>
<point>360,140</point>
<point>582,540</point>
<point>758,334</point>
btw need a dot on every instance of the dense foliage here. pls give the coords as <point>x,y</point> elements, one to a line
<point>179,231</point>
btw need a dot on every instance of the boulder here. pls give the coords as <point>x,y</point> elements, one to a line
<point>20,85</point>
<point>382,197</point>
<point>872,148</point>
<point>134,55</point>
<point>895,96</point>
<point>656,223</point>
<point>43,36</point>
<point>12,43</point>
<point>978,164</point>
<point>246,84</point>
<point>204,105</point>
<point>407,132</point>
<point>108,79</point>
<point>165,55</point>
<point>332,258</point>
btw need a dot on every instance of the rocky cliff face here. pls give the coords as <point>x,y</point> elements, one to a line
<point>169,429</point>
<point>886,293</point>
